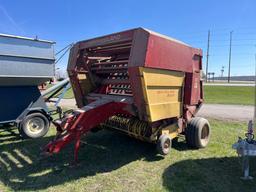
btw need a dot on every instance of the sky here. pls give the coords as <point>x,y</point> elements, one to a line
<point>66,21</point>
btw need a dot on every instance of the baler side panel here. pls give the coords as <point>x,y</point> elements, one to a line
<point>136,60</point>
<point>73,75</point>
<point>139,48</point>
<point>193,93</point>
<point>166,54</point>
<point>162,93</point>
<point>138,96</point>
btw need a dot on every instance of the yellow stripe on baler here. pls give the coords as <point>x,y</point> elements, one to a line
<point>162,92</point>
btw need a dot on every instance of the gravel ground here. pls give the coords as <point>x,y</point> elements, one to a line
<point>227,112</point>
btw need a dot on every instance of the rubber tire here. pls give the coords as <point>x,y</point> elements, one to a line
<point>25,133</point>
<point>161,145</point>
<point>193,132</point>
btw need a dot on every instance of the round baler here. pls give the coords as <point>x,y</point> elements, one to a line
<point>138,82</point>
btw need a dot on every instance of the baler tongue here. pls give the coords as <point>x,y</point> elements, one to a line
<point>72,126</point>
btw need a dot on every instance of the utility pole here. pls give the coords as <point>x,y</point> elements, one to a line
<point>207,55</point>
<point>229,62</point>
<point>222,71</point>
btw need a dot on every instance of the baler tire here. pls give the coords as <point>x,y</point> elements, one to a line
<point>198,132</point>
<point>41,123</point>
<point>164,144</point>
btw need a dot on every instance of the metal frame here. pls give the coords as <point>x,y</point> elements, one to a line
<point>81,121</point>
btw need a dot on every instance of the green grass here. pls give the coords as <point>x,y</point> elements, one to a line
<point>229,95</point>
<point>231,82</point>
<point>238,95</point>
<point>113,162</point>
<point>68,95</point>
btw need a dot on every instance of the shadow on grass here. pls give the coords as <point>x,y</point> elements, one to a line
<point>180,144</point>
<point>104,151</point>
<point>212,174</point>
<point>9,133</point>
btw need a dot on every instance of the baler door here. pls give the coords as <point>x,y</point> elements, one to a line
<point>162,93</point>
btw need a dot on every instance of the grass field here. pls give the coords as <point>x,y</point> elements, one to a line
<point>238,95</point>
<point>231,82</point>
<point>68,95</point>
<point>229,95</point>
<point>114,162</point>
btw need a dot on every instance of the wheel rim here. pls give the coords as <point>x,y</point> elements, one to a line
<point>167,144</point>
<point>205,134</point>
<point>35,125</point>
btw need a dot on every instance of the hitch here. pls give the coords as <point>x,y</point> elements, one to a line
<point>71,126</point>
